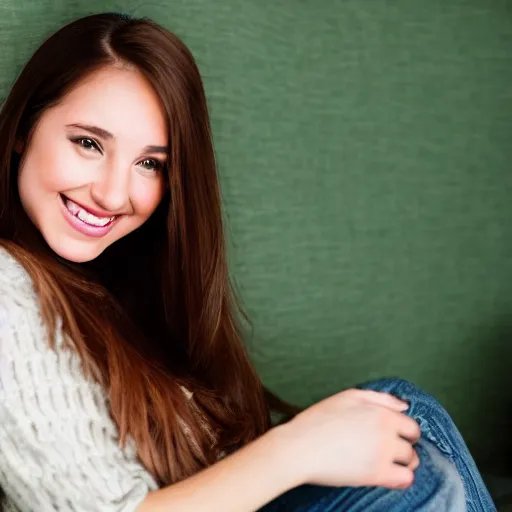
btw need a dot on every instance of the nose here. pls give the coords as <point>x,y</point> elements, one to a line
<point>110,190</point>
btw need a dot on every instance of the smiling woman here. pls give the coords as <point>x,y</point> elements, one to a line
<point>94,168</point>
<point>99,131</point>
<point>124,381</point>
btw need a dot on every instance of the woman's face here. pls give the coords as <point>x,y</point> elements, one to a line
<point>94,168</point>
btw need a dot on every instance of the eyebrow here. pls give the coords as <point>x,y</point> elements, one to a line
<point>104,134</point>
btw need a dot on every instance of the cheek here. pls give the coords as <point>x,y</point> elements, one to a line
<point>147,196</point>
<point>51,168</point>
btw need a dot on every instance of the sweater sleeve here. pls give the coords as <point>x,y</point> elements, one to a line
<point>59,446</point>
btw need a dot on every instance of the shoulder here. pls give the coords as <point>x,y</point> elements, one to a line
<point>54,419</point>
<point>16,287</point>
<point>28,361</point>
<point>10,265</point>
<point>22,330</point>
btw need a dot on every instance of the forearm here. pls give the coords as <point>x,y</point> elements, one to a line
<point>242,482</point>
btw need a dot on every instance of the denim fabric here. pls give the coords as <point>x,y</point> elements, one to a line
<point>447,479</point>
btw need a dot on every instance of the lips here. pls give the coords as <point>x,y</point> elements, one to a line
<point>84,221</point>
<point>85,215</point>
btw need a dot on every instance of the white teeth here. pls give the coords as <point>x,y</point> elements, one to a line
<point>93,220</point>
<point>85,216</point>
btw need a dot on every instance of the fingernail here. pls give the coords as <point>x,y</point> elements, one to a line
<point>405,404</point>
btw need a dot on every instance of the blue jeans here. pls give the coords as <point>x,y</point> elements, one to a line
<point>447,479</point>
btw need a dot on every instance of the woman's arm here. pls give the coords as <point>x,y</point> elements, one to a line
<point>59,446</point>
<point>353,438</point>
<point>242,482</point>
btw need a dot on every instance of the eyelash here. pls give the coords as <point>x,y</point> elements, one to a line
<point>155,165</point>
<point>94,144</point>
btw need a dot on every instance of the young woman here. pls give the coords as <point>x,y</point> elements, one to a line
<point>124,384</point>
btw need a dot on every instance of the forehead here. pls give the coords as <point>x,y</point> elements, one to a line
<point>120,101</point>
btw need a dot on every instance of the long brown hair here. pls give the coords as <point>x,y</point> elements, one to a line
<point>155,313</point>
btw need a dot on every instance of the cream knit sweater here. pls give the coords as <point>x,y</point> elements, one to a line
<point>58,444</point>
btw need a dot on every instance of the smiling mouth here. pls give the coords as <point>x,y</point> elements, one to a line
<point>86,217</point>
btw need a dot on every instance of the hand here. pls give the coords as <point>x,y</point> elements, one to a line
<point>354,438</point>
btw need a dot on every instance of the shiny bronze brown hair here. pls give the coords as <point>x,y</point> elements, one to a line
<point>155,314</point>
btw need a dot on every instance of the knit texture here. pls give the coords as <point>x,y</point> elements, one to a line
<point>59,446</point>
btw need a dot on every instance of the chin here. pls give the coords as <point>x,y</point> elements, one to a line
<point>75,252</point>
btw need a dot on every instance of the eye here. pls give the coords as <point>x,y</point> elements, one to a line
<point>86,143</point>
<point>151,164</point>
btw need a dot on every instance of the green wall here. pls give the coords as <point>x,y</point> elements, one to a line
<point>364,152</point>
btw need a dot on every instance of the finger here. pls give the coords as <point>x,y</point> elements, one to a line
<point>383,399</point>
<point>398,477</point>
<point>415,462</point>
<point>403,452</point>
<point>408,428</point>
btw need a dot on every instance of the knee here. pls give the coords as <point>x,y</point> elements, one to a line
<point>400,388</point>
<point>433,419</point>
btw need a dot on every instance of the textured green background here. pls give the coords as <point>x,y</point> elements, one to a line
<point>364,151</point>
